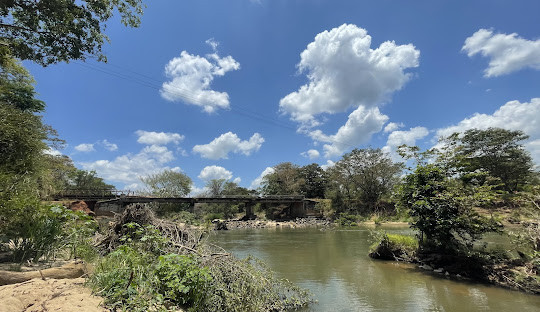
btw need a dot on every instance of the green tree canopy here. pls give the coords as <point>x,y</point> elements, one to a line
<point>441,208</point>
<point>364,175</point>
<point>51,31</point>
<point>315,181</point>
<point>495,151</point>
<point>285,180</point>
<point>167,183</point>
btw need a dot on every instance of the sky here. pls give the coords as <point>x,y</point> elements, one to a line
<point>229,89</point>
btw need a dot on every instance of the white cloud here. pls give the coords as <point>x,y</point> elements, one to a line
<point>506,52</point>
<point>237,180</point>
<point>258,180</point>
<point>85,147</point>
<point>329,164</point>
<point>362,123</point>
<point>158,138</point>
<point>391,126</point>
<point>408,137</point>
<point>129,168</point>
<point>311,154</point>
<point>108,145</point>
<point>229,142</point>
<point>512,116</point>
<point>344,72</point>
<point>52,152</point>
<point>215,172</point>
<point>192,75</point>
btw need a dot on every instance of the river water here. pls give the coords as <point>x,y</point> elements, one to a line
<point>335,267</point>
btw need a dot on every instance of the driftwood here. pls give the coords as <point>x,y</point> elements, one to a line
<point>70,270</point>
<point>181,239</point>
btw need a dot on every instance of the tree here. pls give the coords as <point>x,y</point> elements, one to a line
<point>23,135</point>
<point>441,209</point>
<point>285,180</point>
<point>16,85</point>
<point>315,181</point>
<point>52,31</point>
<point>495,151</point>
<point>365,175</point>
<point>168,183</point>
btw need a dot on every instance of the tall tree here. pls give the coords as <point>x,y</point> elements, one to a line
<point>51,31</point>
<point>365,175</point>
<point>315,181</point>
<point>498,152</point>
<point>23,135</point>
<point>167,183</point>
<point>441,209</point>
<point>285,180</point>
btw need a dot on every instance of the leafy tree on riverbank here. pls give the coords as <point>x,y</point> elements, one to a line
<point>362,177</point>
<point>167,183</point>
<point>440,209</point>
<point>52,31</point>
<point>497,152</point>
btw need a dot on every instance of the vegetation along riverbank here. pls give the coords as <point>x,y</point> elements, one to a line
<point>155,256</point>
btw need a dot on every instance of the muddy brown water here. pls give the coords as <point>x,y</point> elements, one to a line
<point>335,267</point>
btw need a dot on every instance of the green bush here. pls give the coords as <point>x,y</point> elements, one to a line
<point>394,247</point>
<point>347,219</point>
<point>181,281</point>
<point>33,230</point>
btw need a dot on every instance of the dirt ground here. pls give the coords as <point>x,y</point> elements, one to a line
<point>58,295</point>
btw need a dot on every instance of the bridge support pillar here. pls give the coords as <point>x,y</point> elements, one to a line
<point>297,210</point>
<point>250,215</point>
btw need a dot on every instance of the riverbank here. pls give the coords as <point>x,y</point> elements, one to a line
<point>493,267</point>
<point>266,224</point>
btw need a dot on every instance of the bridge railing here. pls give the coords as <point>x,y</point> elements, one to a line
<point>94,193</point>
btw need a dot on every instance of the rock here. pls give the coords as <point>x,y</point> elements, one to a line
<point>81,206</point>
<point>446,273</point>
<point>219,225</point>
<point>425,267</point>
<point>439,270</point>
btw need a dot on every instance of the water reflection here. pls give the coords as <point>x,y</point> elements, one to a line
<point>335,267</point>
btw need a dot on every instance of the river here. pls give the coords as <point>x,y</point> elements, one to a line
<point>335,267</point>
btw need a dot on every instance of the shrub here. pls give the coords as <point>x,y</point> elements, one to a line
<point>181,281</point>
<point>394,247</point>
<point>347,219</point>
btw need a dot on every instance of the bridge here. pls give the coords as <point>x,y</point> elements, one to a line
<point>115,200</point>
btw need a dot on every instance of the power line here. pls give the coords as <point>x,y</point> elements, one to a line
<point>188,96</point>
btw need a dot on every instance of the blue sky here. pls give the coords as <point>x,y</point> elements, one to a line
<point>227,89</point>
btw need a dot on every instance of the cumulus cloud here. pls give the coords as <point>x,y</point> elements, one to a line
<point>128,168</point>
<point>53,152</point>
<point>158,138</point>
<point>192,75</point>
<point>329,164</point>
<point>506,52</point>
<point>108,145</point>
<point>215,172</point>
<point>258,180</point>
<point>513,115</point>
<point>85,147</point>
<point>408,137</point>
<point>344,71</point>
<point>227,143</point>
<point>392,126</point>
<point>311,154</point>
<point>360,126</point>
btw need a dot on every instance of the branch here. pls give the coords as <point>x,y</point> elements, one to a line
<point>23,28</point>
